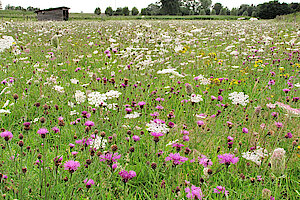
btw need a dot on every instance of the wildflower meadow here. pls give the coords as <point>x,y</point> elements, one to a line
<point>139,109</point>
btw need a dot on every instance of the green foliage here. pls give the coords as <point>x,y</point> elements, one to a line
<point>213,12</point>
<point>202,12</point>
<point>97,11</point>
<point>118,11</point>
<point>217,7</point>
<point>223,11</point>
<point>234,12</point>
<point>170,7</point>
<point>273,8</point>
<point>109,11</point>
<point>125,11</point>
<point>134,11</point>
<point>245,13</point>
<point>144,11</point>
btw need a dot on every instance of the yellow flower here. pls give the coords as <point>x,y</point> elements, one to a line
<point>281,68</point>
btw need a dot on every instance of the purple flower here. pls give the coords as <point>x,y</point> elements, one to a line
<point>89,123</point>
<point>220,98</point>
<point>200,123</point>
<point>141,104</point>
<point>171,124</point>
<point>71,166</point>
<point>71,145</point>
<point>185,132</point>
<point>43,132</point>
<point>128,110</point>
<point>136,138</point>
<point>110,158</point>
<point>155,114</point>
<point>289,135</point>
<point>228,159</point>
<point>245,130</point>
<point>204,161</point>
<point>159,107</point>
<point>278,124</point>
<point>84,141</point>
<point>155,134</point>
<point>274,114</point>
<point>127,175</point>
<point>6,135</point>
<point>55,129</point>
<point>185,138</point>
<point>26,124</point>
<point>193,192</point>
<point>229,138</point>
<point>89,183</point>
<point>221,190</point>
<point>176,158</point>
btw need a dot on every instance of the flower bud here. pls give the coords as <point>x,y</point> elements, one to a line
<point>278,161</point>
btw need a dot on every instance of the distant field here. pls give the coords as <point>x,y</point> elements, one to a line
<point>289,18</point>
<point>22,15</point>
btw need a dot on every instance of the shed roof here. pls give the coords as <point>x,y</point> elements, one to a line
<point>49,9</point>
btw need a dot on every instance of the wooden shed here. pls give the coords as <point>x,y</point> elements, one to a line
<point>53,14</point>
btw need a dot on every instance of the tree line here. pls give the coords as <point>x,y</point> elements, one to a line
<point>29,8</point>
<point>267,10</point>
<point>119,11</point>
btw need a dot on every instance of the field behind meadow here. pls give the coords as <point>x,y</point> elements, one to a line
<point>159,109</point>
<point>27,15</point>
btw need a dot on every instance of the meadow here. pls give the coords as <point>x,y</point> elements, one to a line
<point>162,109</point>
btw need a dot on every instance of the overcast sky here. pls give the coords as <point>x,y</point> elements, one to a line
<point>88,6</point>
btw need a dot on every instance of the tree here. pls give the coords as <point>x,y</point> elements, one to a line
<point>242,9</point>
<point>152,9</point>
<point>213,12</point>
<point>170,7</point>
<point>295,7</point>
<point>191,6</point>
<point>118,12</point>
<point>109,11</point>
<point>223,11</point>
<point>234,12</point>
<point>206,4</point>
<point>202,12</point>
<point>271,9</point>
<point>217,7</point>
<point>125,11</point>
<point>134,11</point>
<point>144,11</point>
<point>245,13</point>
<point>97,11</point>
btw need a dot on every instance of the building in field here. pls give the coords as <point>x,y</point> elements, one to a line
<point>53,14</point>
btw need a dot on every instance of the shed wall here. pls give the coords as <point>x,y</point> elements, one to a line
<point>50,15</point>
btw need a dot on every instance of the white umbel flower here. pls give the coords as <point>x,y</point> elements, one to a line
<point>97,99</point>
<point>256,156</point>
<point>2,111</point>
<point>157,126</point>
<point>80,97</point>
<point>58,88</point>
<point>98,143</point>
<point>112,94</point>
<point>132,115</point>
<point>196,98</point>
<point>239,98</point>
